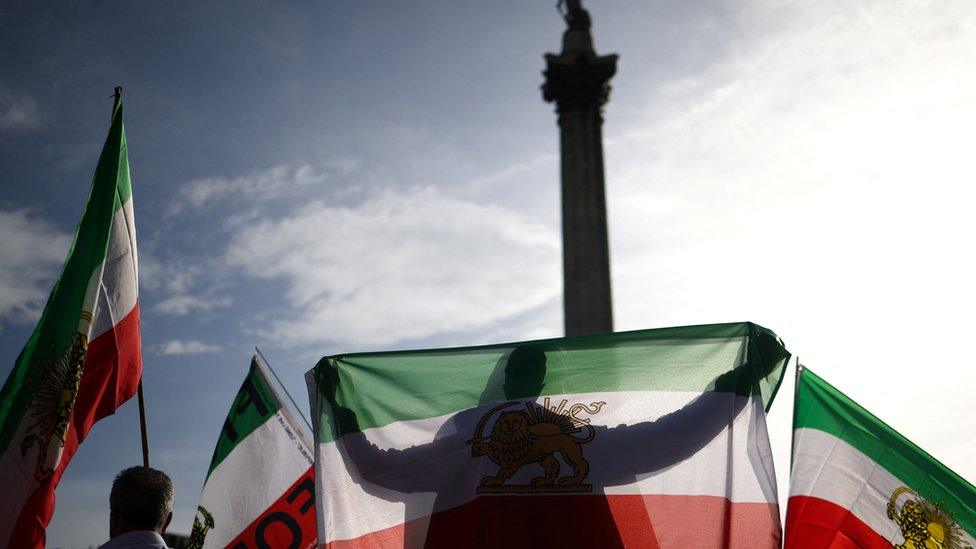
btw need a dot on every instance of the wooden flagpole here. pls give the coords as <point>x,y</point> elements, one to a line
<point>142,425</point>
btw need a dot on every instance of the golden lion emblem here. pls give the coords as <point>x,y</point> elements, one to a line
<point>535,435</point>
<point>924,524</point>
<point>55,378</point>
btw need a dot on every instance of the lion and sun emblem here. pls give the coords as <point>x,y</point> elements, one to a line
<point>56,378</point>
<point>536,435</point>
<point>924,524</point>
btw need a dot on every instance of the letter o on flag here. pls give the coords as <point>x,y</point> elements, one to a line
<point>283,518</point>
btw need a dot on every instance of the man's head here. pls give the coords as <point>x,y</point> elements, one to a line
<point>525,372</point>
<point>142,499</point>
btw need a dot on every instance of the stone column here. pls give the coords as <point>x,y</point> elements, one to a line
<point>577,80</point>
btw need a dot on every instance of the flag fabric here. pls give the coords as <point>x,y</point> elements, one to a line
<point>259,490</point>
<point>652,438</point>
<point>83,359</point>
<point>858,483</point>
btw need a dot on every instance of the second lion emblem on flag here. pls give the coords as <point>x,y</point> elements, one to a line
<point>536,434</point>
<point>924,524</point>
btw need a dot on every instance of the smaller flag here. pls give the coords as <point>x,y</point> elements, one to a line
<point>259,490</point>
<point>856,482</point>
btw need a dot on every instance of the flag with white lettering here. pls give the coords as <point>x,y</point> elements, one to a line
<point>259,490</point>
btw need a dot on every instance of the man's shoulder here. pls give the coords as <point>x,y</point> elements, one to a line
<point>141,539</point>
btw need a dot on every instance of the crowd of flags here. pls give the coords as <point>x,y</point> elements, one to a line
<point>655,438</point>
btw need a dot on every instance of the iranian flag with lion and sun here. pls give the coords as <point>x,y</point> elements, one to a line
<point>653,438</point>
<point>83,359</point>
<point>856,482</point>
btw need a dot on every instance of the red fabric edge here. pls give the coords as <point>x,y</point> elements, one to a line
<point>647,521</point>
<point>817,523</point>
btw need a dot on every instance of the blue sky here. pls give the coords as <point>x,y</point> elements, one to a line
<point>315,178</point>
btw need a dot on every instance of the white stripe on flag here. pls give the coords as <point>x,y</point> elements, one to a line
<point>829,468</point>
<point>734,461</point>
<point>119,290</point>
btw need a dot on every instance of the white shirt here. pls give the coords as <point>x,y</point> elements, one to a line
<point>140,539</point>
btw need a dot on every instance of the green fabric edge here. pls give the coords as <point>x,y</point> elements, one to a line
<point>698,331</point>
<point>765,352</point>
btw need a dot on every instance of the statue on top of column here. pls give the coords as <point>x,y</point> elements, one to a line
<point>575,16</point>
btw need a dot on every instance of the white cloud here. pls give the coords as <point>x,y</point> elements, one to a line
<point>172,277</point>
<point>17,112</point>
<point>273,183</point>
<point>187,347</point>
<point>31,250</point>
<point>819,182</point>
<point>179,286</point>
<point>401,265</point>
<point>181,305</point>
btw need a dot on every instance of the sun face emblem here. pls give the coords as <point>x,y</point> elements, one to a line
<point>923,523</point>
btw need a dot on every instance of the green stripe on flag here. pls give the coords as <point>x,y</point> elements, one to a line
<point>820,406</point>
<point>254,405</point>
<point>382,388</point>
<point>124,189</point>
<point>54,331</point>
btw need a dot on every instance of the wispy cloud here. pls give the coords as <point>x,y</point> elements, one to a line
<point>181,305</point>
<point>402,264</point>
<point>17,112</point>
<point>274,183</point>
<point>32,249</point>
<point>186,347</point>
<point>180,287</point>
<point>172,277</point>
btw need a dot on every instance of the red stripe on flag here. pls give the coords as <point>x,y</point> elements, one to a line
<point>649,521</point>
<point>818,523</point>
<point>113,367</point>
<point>289,522</point>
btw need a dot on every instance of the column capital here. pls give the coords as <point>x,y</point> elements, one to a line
<point>578,80</point>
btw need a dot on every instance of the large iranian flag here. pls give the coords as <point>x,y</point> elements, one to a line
<point>83,359</point>
<point>259,490</point>
<point>653,438</point>
<point>858,483</point>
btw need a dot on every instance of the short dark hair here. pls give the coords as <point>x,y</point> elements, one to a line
<point>142,498</point>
